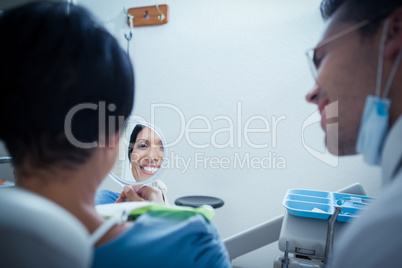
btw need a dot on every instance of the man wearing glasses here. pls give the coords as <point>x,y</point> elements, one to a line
<point>357,68</point>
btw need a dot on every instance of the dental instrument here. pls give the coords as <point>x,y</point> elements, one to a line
<point>285,260</point>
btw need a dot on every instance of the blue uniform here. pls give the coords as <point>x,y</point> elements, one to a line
<point>106,197</point>
<point>165,240</point>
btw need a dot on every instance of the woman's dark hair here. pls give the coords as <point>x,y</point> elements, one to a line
<point>360,10</point>
<point>133,137</point>
<point>55,56</point>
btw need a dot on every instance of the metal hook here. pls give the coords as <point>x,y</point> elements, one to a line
<point>131,21</point>
<point>129,18</point>
<point>161,16</point>
<point>129,35</point>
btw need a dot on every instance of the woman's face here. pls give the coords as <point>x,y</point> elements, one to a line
<point>147,155</point>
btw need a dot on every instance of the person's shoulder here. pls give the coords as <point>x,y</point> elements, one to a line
<point>194,240</point>
<point>373,231</point>
<point>170,239</point>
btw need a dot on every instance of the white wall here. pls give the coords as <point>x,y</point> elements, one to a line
<point>211,55</point>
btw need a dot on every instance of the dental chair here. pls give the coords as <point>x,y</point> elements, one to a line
<point>35,232</point>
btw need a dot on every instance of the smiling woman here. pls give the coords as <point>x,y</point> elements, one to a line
<point>145,152</point>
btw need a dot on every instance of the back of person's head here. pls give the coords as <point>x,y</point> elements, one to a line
<point>360,10</point>
<point>59,66</point>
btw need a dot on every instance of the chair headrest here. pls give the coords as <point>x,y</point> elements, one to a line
<point>36,232</point>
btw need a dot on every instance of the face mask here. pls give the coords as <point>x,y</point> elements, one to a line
<point>374,122</point>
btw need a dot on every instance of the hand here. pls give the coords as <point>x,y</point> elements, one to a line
<point>145,193</point>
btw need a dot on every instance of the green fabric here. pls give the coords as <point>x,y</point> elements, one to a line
<point>179,213</point>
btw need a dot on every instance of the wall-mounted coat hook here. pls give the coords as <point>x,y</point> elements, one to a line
<point>149,15</point>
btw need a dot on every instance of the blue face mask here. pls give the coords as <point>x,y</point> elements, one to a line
<point>373,129</point>
<point>374,122</point>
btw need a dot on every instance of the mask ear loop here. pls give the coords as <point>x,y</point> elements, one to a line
<point>381,58</point>
<point>393,72</point>
<point>381,63</point>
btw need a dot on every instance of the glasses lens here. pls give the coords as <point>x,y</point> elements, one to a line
<point>310,59</point>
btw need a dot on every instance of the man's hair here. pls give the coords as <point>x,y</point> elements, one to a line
<point>55,56</point>
<point>360,10</point>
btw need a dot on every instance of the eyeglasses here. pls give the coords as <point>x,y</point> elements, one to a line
<point>311,57</point>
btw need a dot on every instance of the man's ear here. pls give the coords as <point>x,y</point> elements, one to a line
<point>394,35</point>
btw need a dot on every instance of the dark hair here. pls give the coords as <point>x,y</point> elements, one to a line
<point>55,56</point>
<point>360,10</point>
<point>133,137</point>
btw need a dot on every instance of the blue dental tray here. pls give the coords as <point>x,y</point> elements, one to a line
<point>321,204</point>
